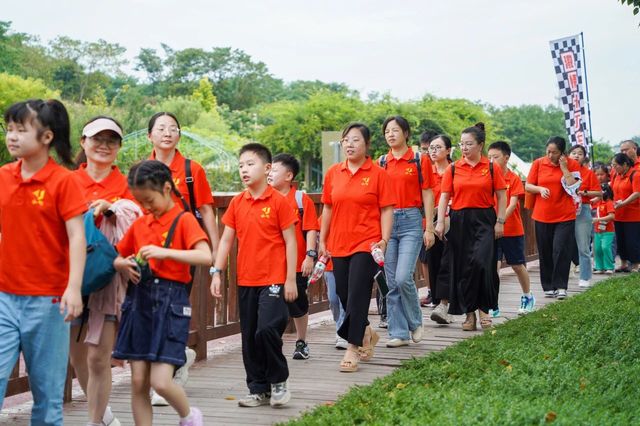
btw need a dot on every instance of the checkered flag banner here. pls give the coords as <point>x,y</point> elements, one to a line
<point>568,61</point>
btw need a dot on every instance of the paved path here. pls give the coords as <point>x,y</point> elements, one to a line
<point>216,384</point>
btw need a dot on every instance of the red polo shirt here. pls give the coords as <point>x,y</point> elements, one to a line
<point>34,248</point>
<point>309,222</point>
<point>403,172</point>
<point>559,207</point>
<point>623,187</point>
<point>112,188</point>
<point>473,186</point>
<point>356,200</point>
<point>513,225</point>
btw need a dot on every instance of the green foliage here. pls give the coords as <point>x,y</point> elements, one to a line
<point>204,95</point>
<point>635,4</point>
<point>572,362</point>
<point>602,152</point>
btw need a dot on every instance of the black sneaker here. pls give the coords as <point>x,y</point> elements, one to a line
<point>301,351</point>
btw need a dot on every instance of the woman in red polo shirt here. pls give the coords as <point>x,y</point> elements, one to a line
<point>471,182</point>
<point>554,214</point>
<point>93,334</point>
<point>358,203</point>
<point>626,193</point>
<point>411,176</point>
<point>589,189</point>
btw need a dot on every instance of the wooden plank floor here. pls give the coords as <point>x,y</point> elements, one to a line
<point>216,384</point>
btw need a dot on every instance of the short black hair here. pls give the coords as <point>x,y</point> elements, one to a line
<point>364,131</point>
<point>258,149</point>
<point>289,161</point>
<point>501,146</point>
<point>559,142</point>
<point>401,121</point>
<point>427,136</point>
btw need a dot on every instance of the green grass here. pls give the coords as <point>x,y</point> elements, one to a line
<point>575,362</point>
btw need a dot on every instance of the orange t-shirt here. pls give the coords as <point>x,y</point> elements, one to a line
<point>473,187</point>
<point>259,224</point>
<point>603,209</point>
<point>201,189</point>
<point>356,200</point>
<point>148,230</point>
<point>623,187</point>
<point>34,248</point>
<point>112,188</point>
<point>589,182</point>
<point>403,173</point>
<point>513,225</point>
<point>309,222</point>
<point>559,207</point>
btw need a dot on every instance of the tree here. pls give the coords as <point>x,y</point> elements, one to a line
<point>149,62</point>
<point>635,4</point>
<point>602,152</point>
<point>204,95</point>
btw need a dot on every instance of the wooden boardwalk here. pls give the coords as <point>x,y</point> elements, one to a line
<point>216,384</point>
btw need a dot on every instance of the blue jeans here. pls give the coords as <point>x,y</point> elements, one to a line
<point>334,301</point>
<point>34,325</point>
<point>584,229</point>
<point>403,305</point>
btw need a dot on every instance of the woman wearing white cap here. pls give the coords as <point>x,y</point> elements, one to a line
<point>93,333</point>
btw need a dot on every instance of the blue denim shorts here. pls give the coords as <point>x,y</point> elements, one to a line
<point>155,322</point>
<point>512,249</point>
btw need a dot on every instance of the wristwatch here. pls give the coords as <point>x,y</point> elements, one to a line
<point>500,221</point>
<point>213,270</point>
<point>312,253</point>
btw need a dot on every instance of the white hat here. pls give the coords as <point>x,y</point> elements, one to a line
<point>96,126</point>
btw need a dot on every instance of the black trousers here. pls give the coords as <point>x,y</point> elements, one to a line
<point>473,277</point>
<point>354,282</point>
<point>438,261</point>
<point>263,319</point>
<point>628,240</point>
<point>555,247</point>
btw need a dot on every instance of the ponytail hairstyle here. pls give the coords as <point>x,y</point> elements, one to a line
<point>559,142</point>
<point>45,115</point>
<point>402,123</point>
<point>154,118</point>
<point>622,159</point>
<point>607,192</point>
<point>151,174</point>
<point>447,143</point>
<point>478,132</point>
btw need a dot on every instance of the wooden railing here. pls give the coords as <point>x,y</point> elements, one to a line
<point>216,318</point>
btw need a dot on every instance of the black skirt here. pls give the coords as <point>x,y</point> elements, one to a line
<point>473,277</point>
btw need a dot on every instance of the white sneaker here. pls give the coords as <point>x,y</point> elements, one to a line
<point>182,374</point>
<point>280,394</point>
<point>255,400</point>
<point>341,343</point>
<point>440,315</point>
<point>584,284</point>
<point>416,335</point>
<point>108,419</point>
<point>551,293</point>
<point>396,343</point>
<point>562,293</point>
<point>157,400</point>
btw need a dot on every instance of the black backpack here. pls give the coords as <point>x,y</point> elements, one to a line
<point>382,161</point>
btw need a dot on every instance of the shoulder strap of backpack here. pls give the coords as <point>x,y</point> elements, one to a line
<point>189,180</point>
<point>382,161</point>
<point>172,229</point>
<point>299,203</point>
<point>416,159</point>
<point>491,173</point>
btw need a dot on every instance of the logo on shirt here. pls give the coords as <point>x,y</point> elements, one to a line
<point>38,196</point>
<point>408,171</point>
<point>484,172</point>
<point>274,290</point>
<point>508,186</point>
<point>266,212</point>
<point>164,238</point>
<point>176,181</point>
<point>365,181</point>
<point>114,199</point>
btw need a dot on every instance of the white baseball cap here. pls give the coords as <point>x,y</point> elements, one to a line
<point>97,126</point>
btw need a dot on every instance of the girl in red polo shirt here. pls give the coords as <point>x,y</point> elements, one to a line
<point>193,193</point>
<point>42,253</point>
<point>154,255</point>
<point>554,214</point>
<point>626,200</point>
<point>604,232</point>
<point>93,335</point>
<point>411,181</point>
<point>471,183</point>
<point>584,219</point>
<point>358,212</point>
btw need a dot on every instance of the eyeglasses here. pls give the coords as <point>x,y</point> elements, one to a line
<point>110,143</point>
<point>351,141</point>
<point>172,130</point>
<point>436,148</point>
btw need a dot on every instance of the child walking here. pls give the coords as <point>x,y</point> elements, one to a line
<point>42,253</point>
<point>604,233</point>
<point>267,251</point>
<point>155,255</point>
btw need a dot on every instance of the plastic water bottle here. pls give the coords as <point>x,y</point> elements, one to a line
<point>319,268</point>
<point>378,255</point>
<point>602,226</point>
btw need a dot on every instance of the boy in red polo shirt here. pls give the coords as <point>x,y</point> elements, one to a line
<point>284,170</point>
<point>511,245</point>
<point>267,251</point>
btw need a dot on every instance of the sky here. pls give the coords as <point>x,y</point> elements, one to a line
<point>493,51</point>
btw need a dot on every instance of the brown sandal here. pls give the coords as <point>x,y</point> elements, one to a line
<point>470,323</point>
<point>485,321</point>
<point>366,352</point>
<point>349,365</point>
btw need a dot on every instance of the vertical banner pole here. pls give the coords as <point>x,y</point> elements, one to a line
<point>586,86</point>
